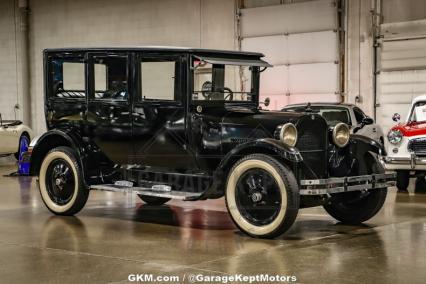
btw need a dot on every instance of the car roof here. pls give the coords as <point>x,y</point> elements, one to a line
<point>419,99</point>
<point>321,104</point>
<point>156,48</point>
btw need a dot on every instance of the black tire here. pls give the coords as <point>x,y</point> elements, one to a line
<point>268,206</point>
<point>61,183</point>
<point>19,145</point>
<point>353,207</point>
<point>153,200</point>
<point>402,180</point>
<point>420,185</point>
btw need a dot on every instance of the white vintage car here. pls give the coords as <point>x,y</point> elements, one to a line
<point>406,146</point>
<point>14,137</point>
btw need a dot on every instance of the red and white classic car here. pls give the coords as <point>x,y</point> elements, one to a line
<point>406,146</point>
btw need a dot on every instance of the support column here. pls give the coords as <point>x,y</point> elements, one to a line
<point>23,106</point>
<point>360,55</point>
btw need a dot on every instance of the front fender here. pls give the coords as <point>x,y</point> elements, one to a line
<point>266,145</point>
<point>354,159</point>
<point>366,144</point>
<point>269,146</point>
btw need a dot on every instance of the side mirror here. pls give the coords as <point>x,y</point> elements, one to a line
<point>396,117</point>
<point>367,121</point>
<point>266,102</point>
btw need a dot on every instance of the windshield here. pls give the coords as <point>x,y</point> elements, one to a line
<point>332,115</point>
<point>418,113</point>
<point>219,82</point>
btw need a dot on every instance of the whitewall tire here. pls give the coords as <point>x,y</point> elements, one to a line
<point>262,196</point>
<point>61,182</point>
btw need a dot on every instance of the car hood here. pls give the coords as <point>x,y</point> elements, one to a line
<point>256,119</point>
<point>411,128</point>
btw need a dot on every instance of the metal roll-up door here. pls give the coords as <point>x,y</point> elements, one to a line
<point>401,72</point>
<point>301,40</point>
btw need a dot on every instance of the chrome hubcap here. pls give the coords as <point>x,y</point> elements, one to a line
<point>256,196</point>
<point>59,182</point>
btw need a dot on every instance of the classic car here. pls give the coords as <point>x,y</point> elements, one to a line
<point>406,146</point>
<point>14,138</point>
<point>352,115</point>
<point>186,124</point>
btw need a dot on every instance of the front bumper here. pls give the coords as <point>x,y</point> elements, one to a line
<point>413,162</point>
<point>346,184</point>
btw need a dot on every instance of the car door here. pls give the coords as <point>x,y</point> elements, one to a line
<point>108,117</point>
<point>66,93</point>
<point>9,138</point>
<point>158,114</point>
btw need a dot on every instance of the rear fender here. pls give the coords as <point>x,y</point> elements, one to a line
<point>55,138</point>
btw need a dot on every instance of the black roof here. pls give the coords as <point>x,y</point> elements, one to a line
<point>157,48</point>
<point>320,104</point>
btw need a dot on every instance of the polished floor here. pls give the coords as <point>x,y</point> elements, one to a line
<point>117,235</point>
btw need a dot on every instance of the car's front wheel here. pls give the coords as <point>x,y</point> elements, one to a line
<point>357,207</point>
<point>61,182</point>
<point>262,196</point>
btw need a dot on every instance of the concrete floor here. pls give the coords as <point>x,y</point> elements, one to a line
<point>117,235</point>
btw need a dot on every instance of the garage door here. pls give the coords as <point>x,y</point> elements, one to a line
<point>402,66</point>
<point>302,42</point>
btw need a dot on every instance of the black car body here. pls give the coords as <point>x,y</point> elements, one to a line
<point>177,123</point>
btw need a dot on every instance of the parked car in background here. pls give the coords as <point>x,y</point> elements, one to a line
<point>406,146</point>
<point>186,124</point>
<point>358,122</point>
<point>14,137</point>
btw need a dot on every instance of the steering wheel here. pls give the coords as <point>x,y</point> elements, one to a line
<point>206,90</point>
<point>230,94</point>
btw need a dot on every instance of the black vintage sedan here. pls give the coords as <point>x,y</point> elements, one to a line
<point>186,124</point>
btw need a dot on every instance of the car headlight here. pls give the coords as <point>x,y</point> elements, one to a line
<point>341,134</point>
<point>288,134</point>
<point>394,136</point>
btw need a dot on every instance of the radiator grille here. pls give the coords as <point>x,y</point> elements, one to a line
<point>312,143</point>
<point>418,146</point>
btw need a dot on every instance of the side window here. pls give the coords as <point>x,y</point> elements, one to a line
<point>110,75</point>
<point>159,79</point>
<point>67,78</point>
<point>359,115</point>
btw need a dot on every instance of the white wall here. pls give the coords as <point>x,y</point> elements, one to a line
<point>403,10</point>
<point>82,23</point>
<point>8,60</point>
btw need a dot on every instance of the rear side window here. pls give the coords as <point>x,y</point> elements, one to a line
<point>67,79</point>
<point>111,78</point>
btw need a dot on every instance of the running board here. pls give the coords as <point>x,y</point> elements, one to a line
<point>148,191</point>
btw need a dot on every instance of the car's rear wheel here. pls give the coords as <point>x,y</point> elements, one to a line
<point>357,207</point>
<point>153,200</point>
<point>61,182</point>
<point>262,196</point>
<point>24,141</point>
<point>402,180</point>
